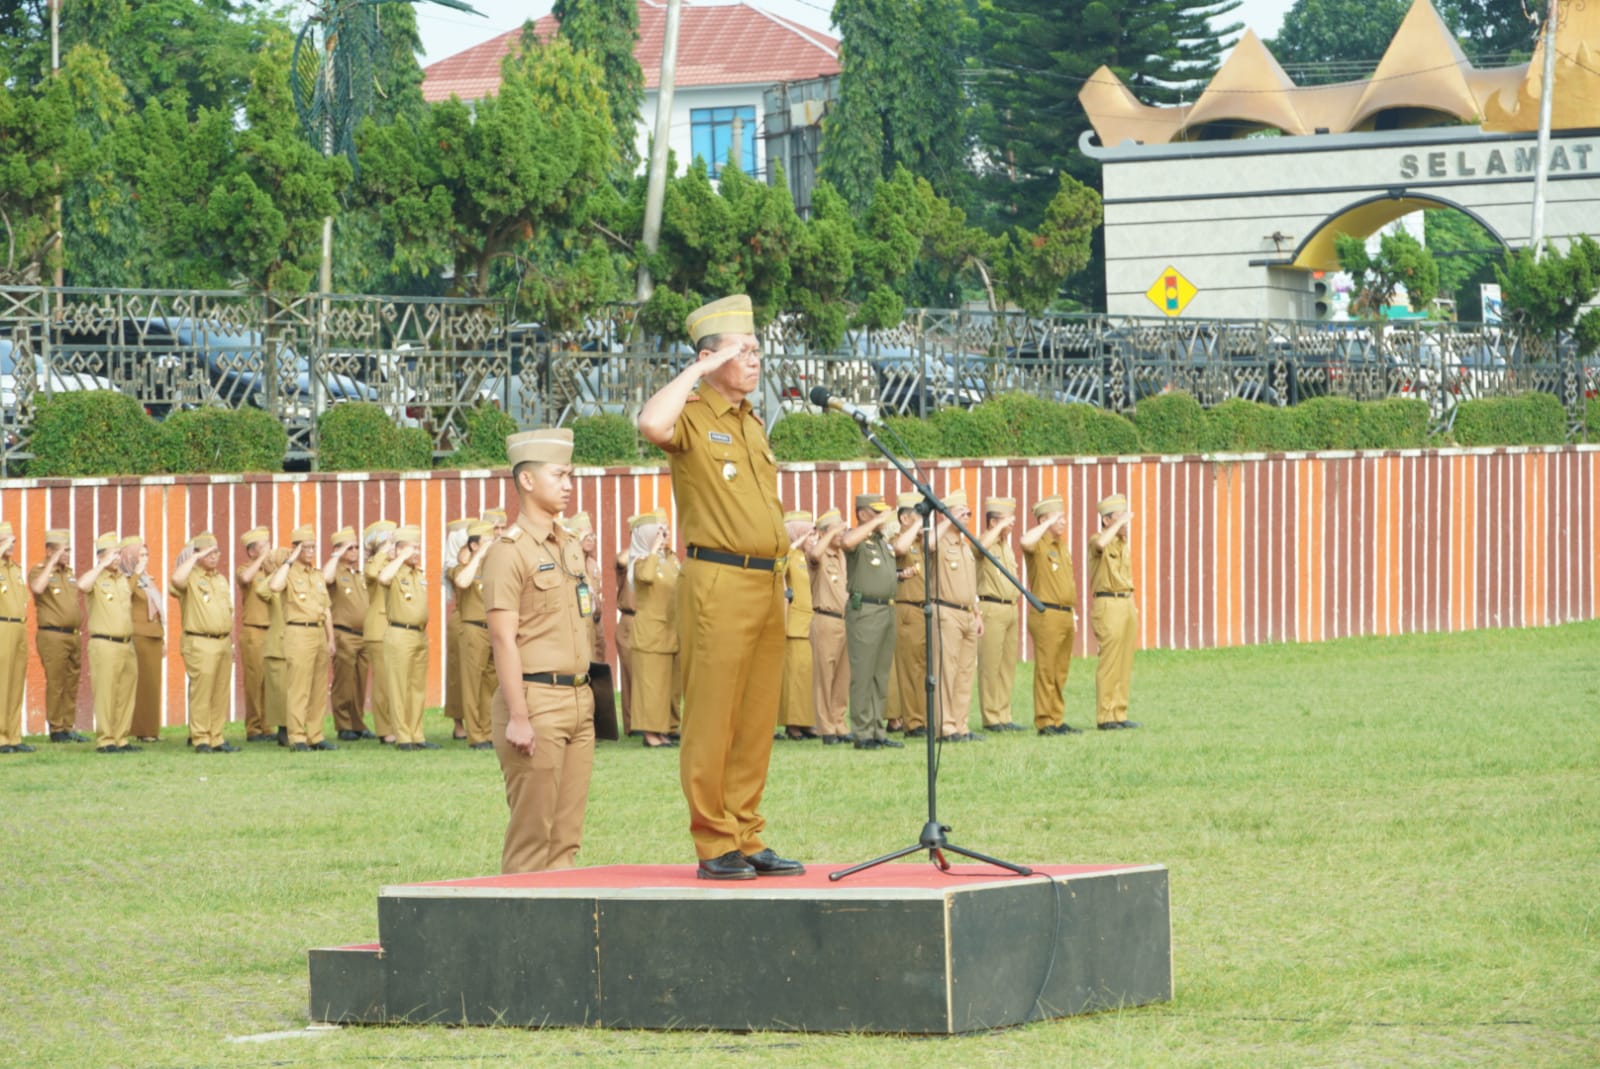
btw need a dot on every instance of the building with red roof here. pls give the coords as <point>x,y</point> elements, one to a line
<point>728,54</point>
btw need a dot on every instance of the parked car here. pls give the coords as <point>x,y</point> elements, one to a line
<point>47,380</point>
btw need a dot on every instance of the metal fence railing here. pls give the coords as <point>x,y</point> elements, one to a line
<point>428,361</point>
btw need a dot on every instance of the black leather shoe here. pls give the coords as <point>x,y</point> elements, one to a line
<point>730,866</point>
<point>77,736</point>
<point>404,746</point>
<point>226,747</point>
<point>868,744</point>
<point>261,738</point>
<point>970,737</point>
<point>766,863</point>
<point>1060,729</point>
<point>323,745</point>
<point>1129,723</point>
<point>831,740</point>
<point>106,749</point>
<point>61,736</point>
<point>891,744</point>
<point>283,736</point>
<point>202,748</point>
<point>300,747</point>
<point>364,734</point>
<point>957,737</point>
<point>346,735</point>
<point>1109,725</point>
<point>8,749</point>
<point>425,746</point>
<point>22,747</point>
<point>130,749</point>
<point>917,733</point>
<point>484,745</point>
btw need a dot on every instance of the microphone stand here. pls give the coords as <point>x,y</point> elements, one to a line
<point>933,838</point>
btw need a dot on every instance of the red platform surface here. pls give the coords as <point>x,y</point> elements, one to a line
<point>917,876</point>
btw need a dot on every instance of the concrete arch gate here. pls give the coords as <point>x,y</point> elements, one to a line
<point>1245,222</point>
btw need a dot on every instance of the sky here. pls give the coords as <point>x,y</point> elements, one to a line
<point>446,32</point>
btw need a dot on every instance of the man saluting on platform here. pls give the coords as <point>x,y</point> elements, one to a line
<point>731,592</point>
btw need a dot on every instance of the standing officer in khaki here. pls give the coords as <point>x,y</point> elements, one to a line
<point>536,596</point>
<point>274,665</point>
<point>796,713</point>
<point>113,670</point>
<point>1051,580</point>
<point>907,697</point>
<point>205,611</point>
<point>307,640</point>
<point>997,601</point>
<point>956,621</point>
<point>653,579</point>
<point>579,526</point>
<point>830,661</point>
<point>725,479</point>
<point>13,644</point>
<point>254,619</point>
<point>148,608</point>
<point>347,594</point>
<point>1114,618</point>
<point>455,540</point>
<point>626,612</point>
<point>869,620</point>
<point>379,537</point>
<point>58,608</point>
<point>405,642</point>
<point>477,667</point>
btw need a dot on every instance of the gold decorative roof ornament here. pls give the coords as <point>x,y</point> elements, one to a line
<point>1424,79</point>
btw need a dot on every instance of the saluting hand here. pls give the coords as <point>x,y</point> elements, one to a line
<point>713,360</point>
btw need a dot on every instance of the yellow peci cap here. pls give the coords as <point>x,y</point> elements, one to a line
<point>1114,503</point>
<point>548,445</point>
<point>730,315</point>
<point>1048,505</point>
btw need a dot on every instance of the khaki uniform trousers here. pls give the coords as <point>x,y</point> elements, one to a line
<point>795,706</point>
<point>1052,632</point>
<point>113,674</point>
<point>62,657</point>
<point>305,650</point>
<point>997,661</point>
<point>730,636</point>
<point>208,662</point>
<point>455,680</point>
<point>655,682</point>
<point>13,670</point>
<point>274,693</point>
<point>253,668</point>
<point>625,670</point>
<point>149,651</point>
<point>478,682</point>
<point>547,791</point>
<point>382,708</point>
<point>405,667</point>
<point>830,675</point>
<point>1116,630</point>
<point>958,664</point>
<point>349,695</point>
<point>869,637</point>
<point>907,694</point>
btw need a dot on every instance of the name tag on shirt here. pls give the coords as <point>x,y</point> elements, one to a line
<point>546,567</point>
<point>721,438</point>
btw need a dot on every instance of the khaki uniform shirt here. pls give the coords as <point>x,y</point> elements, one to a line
<point>205,603</point>
<point>1110,569</point>
<point>991,584</point>
<point>59,605</point>
<point>348,596</point>
<point>536,576</point>
<point>871,567</point>
<point>139,609</point>
<point>1050,575</point>
<point>725,478</point>
<point>111,606</point>
<point>957,581</point>
<point>272,646</point>
<point>377,621</point>
<point>655,595</point>
<point>13,591</point>
<point>408,597</point>
<point>909,588</point>
<point>797,581</point>
<point>305,598</point>
<point>469,601</point>
<point>254,612</point>
<point>829,589</point>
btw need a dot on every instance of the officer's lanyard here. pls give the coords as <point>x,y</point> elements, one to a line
<point>585,596</point>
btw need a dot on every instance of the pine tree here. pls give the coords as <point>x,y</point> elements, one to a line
<point>608,30</point>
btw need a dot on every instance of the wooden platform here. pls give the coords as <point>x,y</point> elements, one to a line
<point>899,948</point>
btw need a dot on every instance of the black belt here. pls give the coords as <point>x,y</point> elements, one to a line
<point>556,680</point>
<point>997,601</point>
<point>407,627</point>
<point>256,627</point>
<point>627,612</point>
<point>10,619</point>
<point>477,623</point>
<point>114,638</point>
<point>208,634</point>
<point>825,612</point>
<point>1057,608</point>
<point>873,601</point>
<point>716,556</point>
<point>952,604</point>
<point>59,630</point>
<point>348,630</point>
<point>303,623</point>
<point>1113,593</point>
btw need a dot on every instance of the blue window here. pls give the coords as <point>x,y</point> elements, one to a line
<point>712,132</point>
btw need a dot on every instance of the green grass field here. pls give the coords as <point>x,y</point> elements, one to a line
<point>1383,852</point>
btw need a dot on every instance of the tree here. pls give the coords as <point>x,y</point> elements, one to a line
<point>1376,279</point>
<point>40,150</point>
<point>1551,294</point>
<point>1467,254</point>
<point>608,30</point>
<point>1493,33</point>
<point>1348,36</point>
<point>900,99</point>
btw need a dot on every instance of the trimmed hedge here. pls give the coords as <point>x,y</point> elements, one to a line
<point>603,441</point>
<point>1170,423</point>
<point>1240,426</point>
<point>909,434</point>
<point>485,443</point>
<point>1591,420</point>
<point>360,436</point>
<point>1531,419</point>
<point>93,432</point>
<point>210,440</point>
<point>813,436</point>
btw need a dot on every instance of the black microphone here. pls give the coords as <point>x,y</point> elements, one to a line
<point>822,399</point>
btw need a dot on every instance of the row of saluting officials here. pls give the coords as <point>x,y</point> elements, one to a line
<point>773,620</point>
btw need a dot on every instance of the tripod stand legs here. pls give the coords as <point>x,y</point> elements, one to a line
<point>934,842</point>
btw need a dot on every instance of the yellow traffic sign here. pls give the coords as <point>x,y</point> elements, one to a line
<point>1171,292</point>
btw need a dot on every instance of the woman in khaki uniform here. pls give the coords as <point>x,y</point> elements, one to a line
<point>205,610</point>
<point>624,633</point>
<point>254,620</point>
<point>113,670</point>
<point>380,546</point>
<point>477,669</point>
<point>307,641</point>
<point>58,608</point>
<point>274,666</point>
<point>653,577</point>
<point>830,666</point>
<point>1051,580</point>
<point>13,644</point>
<point>455,540</point>
<point>957,623</point>
<point>997,601</point>
<point>405,642</point>
<point>347,594</point>
<point>908,706</point>
<point>148,608</point>
<point>797,716</point>
<point>1114,617</point>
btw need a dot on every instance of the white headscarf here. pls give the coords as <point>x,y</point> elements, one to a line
<point>644,540</point>
<point>454,542</point>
